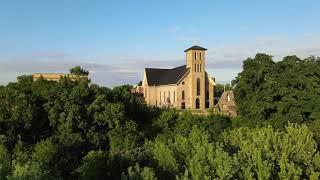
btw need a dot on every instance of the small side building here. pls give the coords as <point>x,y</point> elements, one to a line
<point>227,104</point>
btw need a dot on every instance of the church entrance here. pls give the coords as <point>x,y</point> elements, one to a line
<point>197,103</point>
<point>183,105</point>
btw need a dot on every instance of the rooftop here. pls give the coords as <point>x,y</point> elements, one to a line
<point>165,76</point>
<point>195,48</point>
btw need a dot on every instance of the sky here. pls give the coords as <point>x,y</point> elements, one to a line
<point>116,39</point>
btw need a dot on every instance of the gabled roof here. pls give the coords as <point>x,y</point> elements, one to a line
<point>165,76</point>
<point>195,48</point>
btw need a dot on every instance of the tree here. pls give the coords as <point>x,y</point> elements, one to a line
<point>94,166</point>
<point>315,128</point>
<point>274,93</point>
<point>79,71</point>
<point>268,154</point>
<point>138,173</point>
<point>165,122</point>
<point>39,165</point>
<point>5,165</point>
<point>220,88</point>
<point>193,156</point>
<point>78,130</point>
<point>124,138</point>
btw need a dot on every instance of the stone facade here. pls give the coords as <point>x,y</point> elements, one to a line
<point>227,104</point>
<point>184,87</point>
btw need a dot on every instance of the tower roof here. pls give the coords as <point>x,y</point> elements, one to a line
<point>195,48</point>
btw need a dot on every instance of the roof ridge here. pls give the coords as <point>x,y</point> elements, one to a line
<point>157,68</point>
<point>178,67</point>
<point>195,47</point>
<point>166,68</point>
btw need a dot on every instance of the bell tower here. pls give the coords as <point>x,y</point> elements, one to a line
<point>195,60</point>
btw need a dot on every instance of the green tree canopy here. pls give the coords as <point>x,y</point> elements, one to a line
<point>77,70</point>
<point>94,166</point>
<point>278,92</point>
<point>78,130</point>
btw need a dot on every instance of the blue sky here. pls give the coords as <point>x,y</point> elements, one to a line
<point>115,40</point>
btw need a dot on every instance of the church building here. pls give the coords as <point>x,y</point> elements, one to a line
<point>183,87</point>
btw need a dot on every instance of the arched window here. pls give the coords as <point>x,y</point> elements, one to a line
<point>168,100</point>
<point>200,67</point>
<point>200,56</point>
<point>195,56</point>
<point>207,99</point>
<point>174,96</point>
<point>197,103</point>
<point>182,95</point>
<point>198,86</point>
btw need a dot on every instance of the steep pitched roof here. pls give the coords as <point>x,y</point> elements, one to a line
<point>195,48</point>
<point>165,76</point>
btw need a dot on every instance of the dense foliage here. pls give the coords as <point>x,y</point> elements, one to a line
<point>78,130</point>
<point>79,71</point>
<point>278,92</point>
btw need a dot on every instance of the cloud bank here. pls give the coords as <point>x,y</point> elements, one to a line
<point>222,62</point>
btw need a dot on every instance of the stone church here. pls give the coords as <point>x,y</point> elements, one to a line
<point>183,87</point>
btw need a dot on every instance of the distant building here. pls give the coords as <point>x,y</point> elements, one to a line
<point>55,76</point>
<point>183,87</point>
